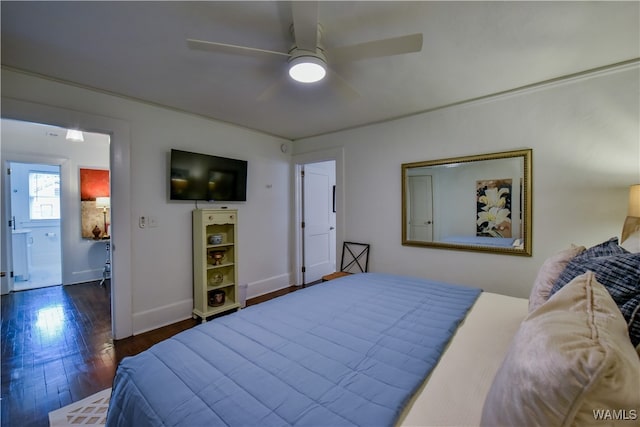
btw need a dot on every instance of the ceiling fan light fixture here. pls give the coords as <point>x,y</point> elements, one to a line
<point>307,69</point>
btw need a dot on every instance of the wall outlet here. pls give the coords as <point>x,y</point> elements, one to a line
<point>142,222</point>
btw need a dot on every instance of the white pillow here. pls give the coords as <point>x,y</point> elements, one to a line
<point>632,243</point>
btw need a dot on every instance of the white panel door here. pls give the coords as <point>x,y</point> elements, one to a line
<point>421,208</point>
<point>319,218</point>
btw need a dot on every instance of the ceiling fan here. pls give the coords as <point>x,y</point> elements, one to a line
<point>307,59</point>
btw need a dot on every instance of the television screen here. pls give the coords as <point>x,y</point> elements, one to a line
<point>197,176</point>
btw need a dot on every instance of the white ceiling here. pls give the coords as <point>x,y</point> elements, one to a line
<point>470,50</point>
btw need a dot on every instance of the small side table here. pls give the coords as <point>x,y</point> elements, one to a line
<point>106,272</point>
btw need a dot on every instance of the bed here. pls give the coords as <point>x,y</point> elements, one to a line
<point>504,242</point>
<point>375,349</point>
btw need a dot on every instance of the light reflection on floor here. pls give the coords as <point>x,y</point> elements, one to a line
<point>56,349</point>
<point>50,321</point>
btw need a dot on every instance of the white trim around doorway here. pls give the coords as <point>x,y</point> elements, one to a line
<point>120,148</point>
<point>336,154</point>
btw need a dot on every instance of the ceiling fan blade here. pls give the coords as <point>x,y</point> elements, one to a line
<point>377,48</point>
<point>341,86</point>
<point>230,48</point>
<point>305,24</point>
<point>274,88</point>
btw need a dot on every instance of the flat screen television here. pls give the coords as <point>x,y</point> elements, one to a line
<point>197,176</point>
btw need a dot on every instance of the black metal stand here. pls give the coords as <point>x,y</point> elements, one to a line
<point>106,272</point>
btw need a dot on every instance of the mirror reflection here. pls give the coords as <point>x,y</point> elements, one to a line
<point>480,202</point>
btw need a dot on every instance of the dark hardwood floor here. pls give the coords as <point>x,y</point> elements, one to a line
<point>57,348</point>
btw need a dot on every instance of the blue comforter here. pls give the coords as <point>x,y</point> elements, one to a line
<point>351,351</point>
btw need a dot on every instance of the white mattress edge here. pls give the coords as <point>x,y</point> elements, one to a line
<point>454,393</point>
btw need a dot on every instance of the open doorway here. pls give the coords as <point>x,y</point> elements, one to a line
<point>120,165</point>
<point>41,201</point>
<point>335,157</point>
<point>318,210</point>
<point>35,225</point>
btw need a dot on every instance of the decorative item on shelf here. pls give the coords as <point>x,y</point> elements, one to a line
<point>216,298</point>
<point>216,279</point>
<point>216,257</point>
<point>215,239</point>
<point>96,232</point>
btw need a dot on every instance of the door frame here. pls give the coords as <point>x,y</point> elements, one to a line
<point>337,155</point>
<point>120,166</point>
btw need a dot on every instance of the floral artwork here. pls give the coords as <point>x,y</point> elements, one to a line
<point>493,208</point>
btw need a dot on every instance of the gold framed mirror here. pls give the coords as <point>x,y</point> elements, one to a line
<point>472,203</point>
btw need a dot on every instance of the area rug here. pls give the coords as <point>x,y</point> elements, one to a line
<point>91,411</point>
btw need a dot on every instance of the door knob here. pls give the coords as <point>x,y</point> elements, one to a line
<point>331,228</point>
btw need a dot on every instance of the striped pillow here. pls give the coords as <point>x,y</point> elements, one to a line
<point>610,247</point>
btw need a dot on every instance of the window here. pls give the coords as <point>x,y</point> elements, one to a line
<point>44,195</point>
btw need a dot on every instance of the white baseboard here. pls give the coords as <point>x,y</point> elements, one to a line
<point>166,315</point>
<point>162,316</point>
<point>82,276</point>
<point>261,287</point>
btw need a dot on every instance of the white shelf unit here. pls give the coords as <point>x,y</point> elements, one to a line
<point>215,269</point>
